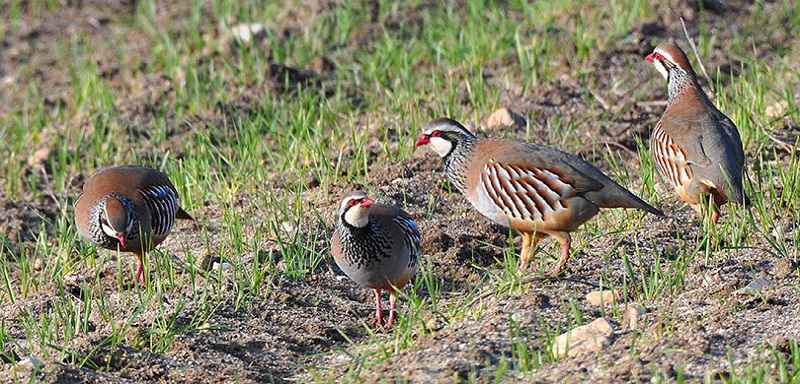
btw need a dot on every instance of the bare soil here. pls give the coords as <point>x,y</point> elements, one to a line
<point>310,321</point>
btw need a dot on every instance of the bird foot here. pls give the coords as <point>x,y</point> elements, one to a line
<point>391,320</point>
<point>384,322</point>
<point>558,269</point>
<point>378,319</point>
<point>140,275</point>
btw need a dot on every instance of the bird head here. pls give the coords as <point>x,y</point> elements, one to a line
<point>116,220</point>
<point>354,209</point>
<point>667,58</point>
<point>443,134</point>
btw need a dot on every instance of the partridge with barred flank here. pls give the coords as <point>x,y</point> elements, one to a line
<point>534,189</point>
<point>128,208</point>
<point>694,145</point>
<point>377,246</point>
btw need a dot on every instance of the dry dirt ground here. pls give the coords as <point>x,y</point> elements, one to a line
<point>306,322</point>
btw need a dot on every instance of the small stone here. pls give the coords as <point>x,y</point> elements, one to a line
<point>8,81</point>
<point>311,181</point>
<point>780,343</point>
<point>592,337</point>
<point>39,157</point>
<point>38,264</point>
<point>288,227</point>
<point>656,330</point>
<point>247,32</point>
<point>606,298</point>
<point>30,363</point>
<point>505,117</point>
<point>776,109</point>
<point>222,266</point>
<point>782,268</point>
<point>781,230</point>
<point>758,284</point>
<point>341,278</point>
<point>711,278</point>
<point>209,260</point>
<point>321,65</point>
<point>633,312</point>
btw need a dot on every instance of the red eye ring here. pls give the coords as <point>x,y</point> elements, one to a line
<point>436,134</point>
<point>658,56</point>
<point>353,202</point>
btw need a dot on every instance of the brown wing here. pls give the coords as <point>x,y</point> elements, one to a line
<point>538,166</point>
<point>671,159</point>
<point>524,191</point>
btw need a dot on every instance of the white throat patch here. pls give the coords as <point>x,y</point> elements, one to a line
<point>108,230</point>
<point>357,216</point>
<point>441,146</point>
<point>661,69</point>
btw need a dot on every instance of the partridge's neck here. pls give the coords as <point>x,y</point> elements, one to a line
<point>456,163</point>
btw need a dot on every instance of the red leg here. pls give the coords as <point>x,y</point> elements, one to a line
<point>565,241</point>
<point>529,242</point>
<point>392,309</point>
<point>140,269</point>
<point>378,311</point>
<point>715,215</point>
<point>526,252</point>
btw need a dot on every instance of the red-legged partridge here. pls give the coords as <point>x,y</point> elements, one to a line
<point>694,145</point>
<point>535,189</point>
<point>128,208</point>
<point>377,246</point>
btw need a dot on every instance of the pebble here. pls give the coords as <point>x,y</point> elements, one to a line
<point>781,230</point>
<point>505,117</point>
<point>776,109</point>
<point>782,268</point>
<point>38,264</point>
<point>222,266</point>
<point>288,227</point>
<point>30,363</point>
<point>605,297</point>
<point>592,337</point>
<point>39,157</point>
<point>758,284</point>
<point>341,278</point>
<point>8,81</point>
<point>633,312</point>
<point>321,65</point>
<point>247,32</point>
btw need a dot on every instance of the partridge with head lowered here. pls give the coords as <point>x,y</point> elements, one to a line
<point>128,208</point>
<point>694,145</point>
<point>377,246</point>
<point>534,189</point>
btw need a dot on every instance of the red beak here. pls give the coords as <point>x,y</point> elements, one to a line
<point>121,238</point>
<point>651,58</point>
<point>365,202</point>
<point>424,139</point>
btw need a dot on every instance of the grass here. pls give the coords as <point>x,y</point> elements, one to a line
<point>260,156</point>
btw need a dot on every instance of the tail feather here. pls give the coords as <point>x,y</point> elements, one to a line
<point>183,215</point>
<point>650,208</point>
<point>617,196</point>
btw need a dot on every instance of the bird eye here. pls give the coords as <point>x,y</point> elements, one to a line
<point>436,133</point>
<point>658,56</point>
<point>353,202</point>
